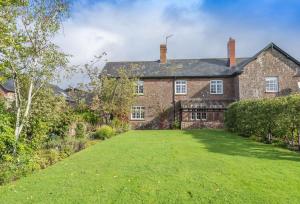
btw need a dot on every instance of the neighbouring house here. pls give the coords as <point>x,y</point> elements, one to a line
<point>196,92</point>
<point>7,90</point>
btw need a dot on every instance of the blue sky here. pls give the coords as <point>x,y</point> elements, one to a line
<point>133,30</point>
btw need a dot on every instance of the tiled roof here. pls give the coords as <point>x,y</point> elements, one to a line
<point>213,67</point>
<point>174,68</point>
<point>8,85</point>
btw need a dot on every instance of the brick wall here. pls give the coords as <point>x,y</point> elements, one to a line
<point>268,64</point>
<point>158,99</point>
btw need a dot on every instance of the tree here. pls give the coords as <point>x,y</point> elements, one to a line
<point>29,52</point>
<point>112,96</point>
<point>115,97</point>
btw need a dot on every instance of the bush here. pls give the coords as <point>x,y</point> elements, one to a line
<point>80,130</point>
<point>104,132</point>
<point>18,167</point>
<point>119,125</point>
<point>269,119</point>
<point>176,124</point>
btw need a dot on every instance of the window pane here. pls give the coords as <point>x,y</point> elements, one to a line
<point>138,112</point>
<point>216,87</point>
<point>180,87</point>
<point>204,116</point>
<point>271,84</point>
<point>193,116</point>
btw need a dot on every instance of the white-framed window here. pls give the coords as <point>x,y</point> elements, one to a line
<point>197,114</point>
<point>272,84</point>
<point>138,113</point>
<point>139,88</point>
<point>216,86</point>
<point>180,87</point>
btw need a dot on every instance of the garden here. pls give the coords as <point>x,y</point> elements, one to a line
<point>40,124</point>
<point>166,166</point>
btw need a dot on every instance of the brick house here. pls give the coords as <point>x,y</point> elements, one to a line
<point>196,92</point>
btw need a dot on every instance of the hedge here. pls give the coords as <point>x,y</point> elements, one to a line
<point>266,118</point>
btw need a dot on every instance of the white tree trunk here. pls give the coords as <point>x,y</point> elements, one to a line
<point>20,120</point>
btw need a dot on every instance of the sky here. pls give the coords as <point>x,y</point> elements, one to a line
<point>133,30</point>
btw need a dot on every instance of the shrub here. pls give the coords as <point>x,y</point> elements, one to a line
<point>176,124</point>
<point>269,119</point>
<point>119,125</point>
<point>104,132</point>
<point>48,157</point>
<point>80,130</point>
<point>17,168</point>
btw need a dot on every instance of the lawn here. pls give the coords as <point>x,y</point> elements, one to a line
<point>199,166</point>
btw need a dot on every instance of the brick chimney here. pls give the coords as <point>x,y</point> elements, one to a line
<point>163,53</point>
<point>231,52</point>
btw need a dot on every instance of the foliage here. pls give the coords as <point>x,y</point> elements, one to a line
<point>119,125</point>
<point>277,118</point>
<point>50,117</point>
<point>115,97</point>
<point>87,115</point>
<point>176,124</point>
<point>112,97</point>
<point>28,51</point>
<point>7,140</point>
<point>80,130</point>
<point>104,132</point>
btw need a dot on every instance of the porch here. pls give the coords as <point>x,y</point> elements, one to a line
<point>199,113</point>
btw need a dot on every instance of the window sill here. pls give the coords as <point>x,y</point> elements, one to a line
<point>137,120</point>
<point>180,94</point>
<point>139,94</point>
<point>216,93</point>
<point>272,92</point>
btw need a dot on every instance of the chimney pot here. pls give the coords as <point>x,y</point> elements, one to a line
<point>231,53</point>
<point>163,53</point>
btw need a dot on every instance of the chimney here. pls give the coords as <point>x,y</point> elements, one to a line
<point>231,53</point>
<point>163,53</point>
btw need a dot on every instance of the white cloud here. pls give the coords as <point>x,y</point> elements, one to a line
<point>134,32</point>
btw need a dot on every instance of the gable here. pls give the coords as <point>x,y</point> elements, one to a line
<point>278,54</point>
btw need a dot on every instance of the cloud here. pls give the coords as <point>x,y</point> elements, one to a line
<point>133,30</point>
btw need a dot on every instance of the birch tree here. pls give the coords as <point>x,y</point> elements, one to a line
<point>32,53</point>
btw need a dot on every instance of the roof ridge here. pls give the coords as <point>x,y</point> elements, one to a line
<point>173,59</point>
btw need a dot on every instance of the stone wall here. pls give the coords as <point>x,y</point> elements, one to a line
<point>202,124</point>
<point>270,63</point>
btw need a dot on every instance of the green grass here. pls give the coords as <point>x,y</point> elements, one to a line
<point>199,166</point>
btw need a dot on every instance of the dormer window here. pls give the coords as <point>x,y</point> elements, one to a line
<point>180,87</point>
<point>139,88</point>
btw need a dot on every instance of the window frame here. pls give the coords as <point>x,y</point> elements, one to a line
<point>180,85</point>
<point>141,113</point>
<point>215,83</point>
<point>139,84</point>
<point>197,115</point>
<point>267,84</point>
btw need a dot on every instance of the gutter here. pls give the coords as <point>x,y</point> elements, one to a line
<point>173,98</point>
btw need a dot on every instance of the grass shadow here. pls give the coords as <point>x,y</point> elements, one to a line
<point>222,142</point>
